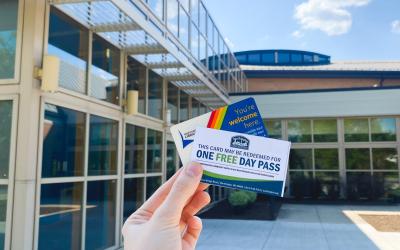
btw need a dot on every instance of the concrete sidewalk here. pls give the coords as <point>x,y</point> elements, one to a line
<point>297,227</point>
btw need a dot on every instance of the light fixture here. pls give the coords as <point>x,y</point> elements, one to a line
<point>132,99</point>
<point>49,73</point>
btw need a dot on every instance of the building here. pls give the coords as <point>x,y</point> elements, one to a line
<point>73,163</point>
<point>343,119</point>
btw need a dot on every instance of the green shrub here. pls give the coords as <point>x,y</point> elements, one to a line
<point>238,198</point>
<point>394,194</point>
<point>252,196</point>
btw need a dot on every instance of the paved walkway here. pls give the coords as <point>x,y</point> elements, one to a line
<point>297,227</point>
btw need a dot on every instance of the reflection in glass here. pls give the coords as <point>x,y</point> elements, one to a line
<point>301,184</point>
<point>356,130</point>
<point>183,27</point>
<point>134,149</point>
<point>326,158</point>
<point>203,109</point>
<point>274,128</point>
<point>154,140</point>
<point>152,183</point>
<point>3,214</point>
<point>133,195</point>
<point>69,41</point>
<point>100,214</point>
<point>300,159</point>
<point>157,6</point>
<point>383,129</point>
<point>136,80</point>
<point>357,158</point>
<point>172,17</point>
<point>8,37</point>
<point>171,159</point>
<point>299,130</point>
<point>384,158</point>
<point>103,146</point>
<point>383,182</point>
<point>184,107</point>
<point>63,142</point>
<point>327,185</point>
<point>155,95</point>
<point>173,95</point>
<point>195,108</point>
<point>325,130</point>
<point>359,185</point>
<point>5,136</point>
<point>105,70</point>
<point>60,216</point>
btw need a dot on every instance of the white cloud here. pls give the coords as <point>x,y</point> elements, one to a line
<point>396,26</point>
<point>330,16</point>
<point>297,34</point>
<point>229,43</point>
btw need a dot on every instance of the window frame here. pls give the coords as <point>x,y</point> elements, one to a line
<point>18,48</point>
<point>9,182</point>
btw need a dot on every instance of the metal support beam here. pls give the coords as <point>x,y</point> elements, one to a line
<point>183,77</point>
<point>145,49</point>
<point>196,87</point>
<point>165,65</point>
<point>115,27</point>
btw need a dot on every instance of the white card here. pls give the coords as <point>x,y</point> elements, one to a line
<point>242,161</point>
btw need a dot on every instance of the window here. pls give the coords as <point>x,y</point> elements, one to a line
<point>103,146</point>
<point>268,58</point>
<point>327,185</point>
<point>300,159</point>
<point>152,183</point>
<point>136,80</point>
<point>154,160</point>
<point>133,195</point>
<point>155,96</point>
<point>183,27</point>
<point>283,57</point>
<point>297,58</point>
<point>326,158</point>
<point>6,108</point>
<point>301,184</point>
<point>359,185</point>
<point>61,216</point>
<point>173,98</point>
<point>299,130</point>
<point>71,46</point>
<point>172,17</point>
<point>274,128</point>
<point>5,137</point>
<point>134,149</point>
<point>242,59</point>
<point>184,107</point>
<point>254,58</point>
<point>8,38</point>
<point>195,108</point>
<point>383,182</point>
<point>157,6</point>
<point>356,130</point>
<point>105,71</point>
<point>100,214</point>
<point>385,158</point>
<point>63,142</point>
<point>383,129</point>
<point>357,158</point>
<point>171,159</point>
<point>325,130</point>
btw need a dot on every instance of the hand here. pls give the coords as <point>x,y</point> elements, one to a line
<point>167,219</point>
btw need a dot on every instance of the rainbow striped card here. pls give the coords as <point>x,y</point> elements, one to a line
<point>242,117</point>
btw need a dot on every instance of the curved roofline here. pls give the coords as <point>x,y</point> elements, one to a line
<point>279,50</point>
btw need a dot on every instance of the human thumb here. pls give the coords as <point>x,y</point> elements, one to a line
<point>182,190</point>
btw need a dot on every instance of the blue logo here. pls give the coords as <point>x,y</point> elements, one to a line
<point>240,142</point>
<point>185,142</point>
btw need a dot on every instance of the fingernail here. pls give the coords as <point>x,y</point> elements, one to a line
<point>193,169</point>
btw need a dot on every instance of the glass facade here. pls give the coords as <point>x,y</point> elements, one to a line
<point>173,102</point>
<point>61,216</point>
<point>369,147</point>
<point>136,80</point>
<point>155,99</point>
<point>103,146</point>
<point>154,155</point>
<point>134,149</point>
<point>6,109</point>
<point>63,142</point>
<point>72,47</point>
<point>8,38</point>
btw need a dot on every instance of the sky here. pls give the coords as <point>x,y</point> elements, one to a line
<point>347,30</point>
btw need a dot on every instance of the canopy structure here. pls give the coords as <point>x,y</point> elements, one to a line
<point>146,31</point>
